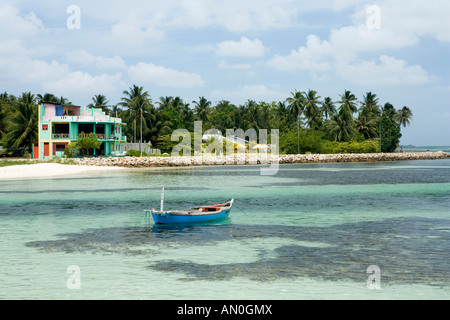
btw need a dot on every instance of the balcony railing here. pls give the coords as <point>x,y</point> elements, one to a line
<point>61,136</point>
<point>81,119</point>
<point>100,136</point>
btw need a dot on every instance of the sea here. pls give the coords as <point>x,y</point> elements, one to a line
<point>413,148</point>
<point>310,231</point>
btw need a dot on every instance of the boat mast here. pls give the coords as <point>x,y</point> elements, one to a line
<point>162,198</point>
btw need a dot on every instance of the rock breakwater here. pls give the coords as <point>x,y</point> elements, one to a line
<point>142,162</point>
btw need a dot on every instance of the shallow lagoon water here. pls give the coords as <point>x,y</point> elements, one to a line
<point>308,232</point>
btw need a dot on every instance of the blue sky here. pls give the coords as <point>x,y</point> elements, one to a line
<point>235,50</point>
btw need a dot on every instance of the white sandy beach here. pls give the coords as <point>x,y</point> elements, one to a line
<point>43,170</point>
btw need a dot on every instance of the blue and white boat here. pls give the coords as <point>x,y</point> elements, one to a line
<point>193,215</point>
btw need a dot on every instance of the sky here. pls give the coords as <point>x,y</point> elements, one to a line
<point>235,50</point>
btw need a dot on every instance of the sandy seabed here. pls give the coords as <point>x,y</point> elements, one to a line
<point>44,170</point>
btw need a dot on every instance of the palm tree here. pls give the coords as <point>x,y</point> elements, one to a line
<point>164,103</point>
<point>223,116</point>
<point>369,116</point>
<point>367,126</point>
<point>404,116</point>
<point>115,110</point>
<point>188,116</point>
<point>389,123</point>
<point>21,123</point>
<point>311,108</point>
<point>7,98</point>
<point>50,97</point>
<point>3,112</point>
<point>134,97</point>
<point>138,103</point>
<point>296,106</point>
<point>278,115</point>
<point>369,103</point>
<point>47,97</point>
<point>178,104</point>
<point>348,102</point>
<point>201,108</point>
<point>63,100</point>
<point>328,108</point>
<point>172,114</point>
<point>341,128</point>
<point>100,101</point>
<point>345,114</point>
<point>253,115</point>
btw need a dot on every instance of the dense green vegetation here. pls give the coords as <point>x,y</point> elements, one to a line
<point>307,122</point>
<point>84,144</point>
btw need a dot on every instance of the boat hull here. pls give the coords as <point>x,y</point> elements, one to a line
<point>187,218</point>
<point>169,218</point>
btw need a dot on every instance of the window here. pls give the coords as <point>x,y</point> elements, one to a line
<point>45,127</point>
<point>60,147</point>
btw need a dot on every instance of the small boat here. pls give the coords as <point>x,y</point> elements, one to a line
<point>195,214</point>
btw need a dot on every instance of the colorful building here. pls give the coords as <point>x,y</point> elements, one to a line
<point>61,124</point>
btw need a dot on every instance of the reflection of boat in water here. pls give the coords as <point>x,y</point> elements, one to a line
<point>195,214</point>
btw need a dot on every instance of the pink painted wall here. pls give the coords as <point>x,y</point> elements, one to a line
<point>49,110</point>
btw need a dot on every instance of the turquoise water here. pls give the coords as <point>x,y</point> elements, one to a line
<point>309,232</point>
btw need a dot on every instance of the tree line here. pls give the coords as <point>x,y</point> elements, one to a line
<point>306,121</point>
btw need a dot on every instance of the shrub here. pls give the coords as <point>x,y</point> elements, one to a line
<point>71,150</point>
<point>136,153</point>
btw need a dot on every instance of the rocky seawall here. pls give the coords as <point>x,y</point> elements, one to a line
<point>142,162</point>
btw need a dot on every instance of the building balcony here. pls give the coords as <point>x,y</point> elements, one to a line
<point>81,119</point>
<point>57,136</point>
<point>100,136</point>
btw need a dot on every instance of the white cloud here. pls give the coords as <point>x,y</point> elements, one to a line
<point>13,24</point>
<point>26,71</point>
<point>162,76</point>
<point>417,17</point>
<point>239,66</point>
<point>257,92</point>
<point>241,16</point>
<point>57,78</point>
<point>133,28</point>
<point>141,21</point>
<point>20,70</point>
<point>343,45</point>
<point>402,25</point>
<point>81,84</point>
<point>12,48</point>
<point>243,48</point>
<point>313,56</point>
<point>115,62</point>
<point>82,57</point>
<point>388,72</point>
<point>347,42</point>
